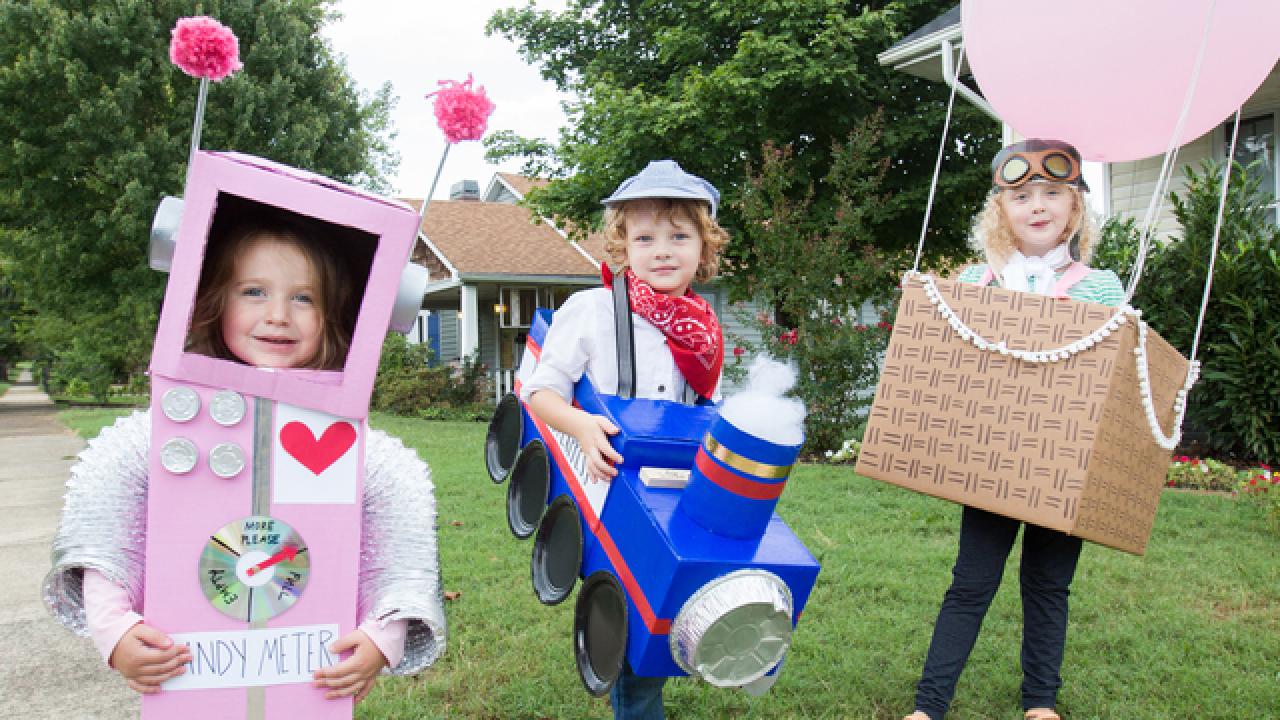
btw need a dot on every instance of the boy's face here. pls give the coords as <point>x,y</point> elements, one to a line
<point>661,252</point>
<point>1038,214</point>
<point>270,317</point>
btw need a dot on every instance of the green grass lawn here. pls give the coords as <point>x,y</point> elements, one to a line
<point>1191,630</point>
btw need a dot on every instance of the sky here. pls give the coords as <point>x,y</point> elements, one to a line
<point>413,44</point>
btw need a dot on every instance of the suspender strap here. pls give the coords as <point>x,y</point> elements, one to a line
<point>1073,274</point>
<point>625,339</point>
<point>690,396</point>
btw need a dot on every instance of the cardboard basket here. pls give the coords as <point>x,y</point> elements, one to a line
<point>1064,445</point>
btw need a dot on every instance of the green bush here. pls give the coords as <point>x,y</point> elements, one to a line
<point>1192,473</point>
<point>837,363</point>
<point>408,385</point>
<point>1236,404</point>
<point>1260,487</point>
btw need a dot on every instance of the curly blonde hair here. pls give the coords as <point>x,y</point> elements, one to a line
<point>694,213</point>
<point>993,236</point>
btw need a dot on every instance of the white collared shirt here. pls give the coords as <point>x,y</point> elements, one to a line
<point>581,338</point>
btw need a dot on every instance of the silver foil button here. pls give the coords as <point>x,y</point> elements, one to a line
<point>226,460</point>
<point>179,455</point>
<point>227,407</point>
<point>180,404</point>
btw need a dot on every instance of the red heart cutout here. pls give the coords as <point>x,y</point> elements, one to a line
<point>317,455</point>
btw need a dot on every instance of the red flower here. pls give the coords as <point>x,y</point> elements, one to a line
<point>790,337</point>
<point>1265,466</point>
<point>1195,461</point>
<point>738,350</point>
<point>1169,484</point>
<point>1254,481</point>
<point>835,321</point>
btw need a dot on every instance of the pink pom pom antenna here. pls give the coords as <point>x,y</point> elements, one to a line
<point>205,48</point>
<point>461,111</point>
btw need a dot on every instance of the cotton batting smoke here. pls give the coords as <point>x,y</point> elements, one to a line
<point>462,112</point>
<point>205,48</point>
<point>763,409</point>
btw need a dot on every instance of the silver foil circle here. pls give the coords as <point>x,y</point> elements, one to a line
<point>179,455</point>
<point>227,407</point>
<point>226,460</point>
<point>734,629</point>
<point>180,404</point>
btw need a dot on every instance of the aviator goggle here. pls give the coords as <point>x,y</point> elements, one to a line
<point>1051,161</point>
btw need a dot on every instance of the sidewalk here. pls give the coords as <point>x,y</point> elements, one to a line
<point>45,671</point>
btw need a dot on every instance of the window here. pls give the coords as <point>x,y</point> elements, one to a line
<point>516,305</point>
<point>1256,150</point>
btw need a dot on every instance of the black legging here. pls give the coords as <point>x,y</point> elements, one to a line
<point>1048,565</point>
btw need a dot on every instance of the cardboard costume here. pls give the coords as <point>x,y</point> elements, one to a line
<point>275,520</point>
<point>1035,406</point>
<point>681,552</point>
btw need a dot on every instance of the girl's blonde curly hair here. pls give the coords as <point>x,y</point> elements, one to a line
<point>993,236</point>
<point>695,213</point>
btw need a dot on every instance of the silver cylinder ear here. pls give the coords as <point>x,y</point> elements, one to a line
<point>164,233</point>
<point>413,283</point>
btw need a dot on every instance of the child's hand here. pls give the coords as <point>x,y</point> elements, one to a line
<point>355,675</point>
<point>146,657</point>
<point>592,433</point>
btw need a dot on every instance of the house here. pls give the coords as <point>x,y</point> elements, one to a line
<point>1126,187</point>
<point>491,262</point>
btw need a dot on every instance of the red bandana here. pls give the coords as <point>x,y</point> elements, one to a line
<point>691,327</point>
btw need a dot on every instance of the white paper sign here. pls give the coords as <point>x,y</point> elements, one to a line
<point>253,658</point>
<point>596,492</point>
<point>314,457</point>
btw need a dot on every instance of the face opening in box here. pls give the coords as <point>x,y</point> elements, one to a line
<point>278,289</point>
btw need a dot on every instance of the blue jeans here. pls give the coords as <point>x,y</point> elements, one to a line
<point>1048,565</point>
<point>635,697</point>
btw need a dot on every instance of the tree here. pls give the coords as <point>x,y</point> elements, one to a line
<point>95,129</point>
<point>1235,407</point>
<point>712,83</point>
<point>819,293</point>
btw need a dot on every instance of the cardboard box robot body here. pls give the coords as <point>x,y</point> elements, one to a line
<point>253,552</point>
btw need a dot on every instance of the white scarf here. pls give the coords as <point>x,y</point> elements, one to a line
<point>1036,273</point>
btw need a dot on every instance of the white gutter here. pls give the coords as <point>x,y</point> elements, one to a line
<point>941,44</point>
<point>949,77</point>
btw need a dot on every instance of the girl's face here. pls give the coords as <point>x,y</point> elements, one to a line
<point>270,317</point>
<point>1039,214</point>
<point>662,252</point>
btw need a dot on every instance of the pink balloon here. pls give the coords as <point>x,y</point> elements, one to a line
<point>1111,76</point>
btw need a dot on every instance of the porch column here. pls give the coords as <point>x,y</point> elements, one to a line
<point>469,333</point>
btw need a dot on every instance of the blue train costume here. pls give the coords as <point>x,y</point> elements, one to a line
<point>688,571</point>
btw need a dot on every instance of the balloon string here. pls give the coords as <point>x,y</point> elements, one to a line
<point>1217,230</point>
<point>937,167</point>
<point>1170,157</point>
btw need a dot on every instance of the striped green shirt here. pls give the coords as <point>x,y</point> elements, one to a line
<point>1099,286</point>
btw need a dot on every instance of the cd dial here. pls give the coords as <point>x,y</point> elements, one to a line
<point>254,568</point>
